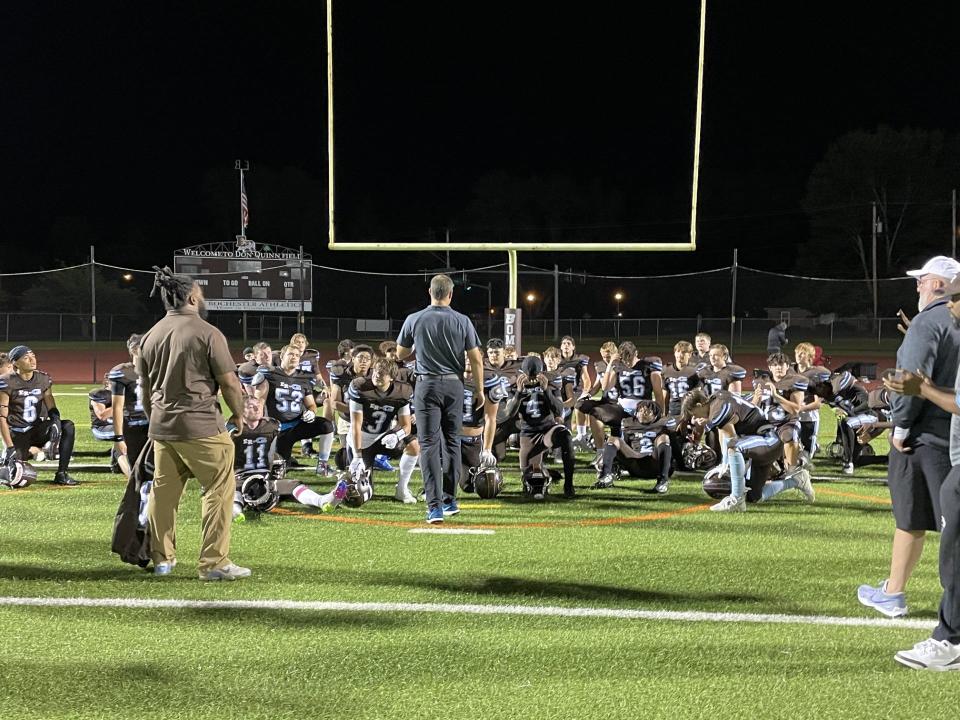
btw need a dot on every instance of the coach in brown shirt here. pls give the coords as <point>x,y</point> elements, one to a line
<point>183,362</point>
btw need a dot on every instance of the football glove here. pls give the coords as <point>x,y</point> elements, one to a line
<point>10,455</point>
<point>391,440</point>
<point>487,459</point>
<point>309,416</point>
<point>357,466</point>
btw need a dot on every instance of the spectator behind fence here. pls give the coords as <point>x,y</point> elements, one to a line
<point>777,338</point>
<point>919,444</point>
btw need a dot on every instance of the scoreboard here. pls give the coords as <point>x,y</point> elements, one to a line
<point>249,276</point>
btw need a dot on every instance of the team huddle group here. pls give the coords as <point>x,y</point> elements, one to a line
<point>643,418</point>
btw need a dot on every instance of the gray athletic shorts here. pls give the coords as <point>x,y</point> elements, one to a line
<point>915,479</point>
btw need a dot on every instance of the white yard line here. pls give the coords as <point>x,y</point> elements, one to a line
<point>450,531</point>
<point>458,609</point>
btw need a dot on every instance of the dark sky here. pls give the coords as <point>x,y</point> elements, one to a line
<point>118,119</point>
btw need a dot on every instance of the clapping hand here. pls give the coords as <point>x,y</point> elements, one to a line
<point>906,383</point>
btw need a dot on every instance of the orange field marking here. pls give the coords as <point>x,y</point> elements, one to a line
<point>599,522</point>
<point>855,496</point>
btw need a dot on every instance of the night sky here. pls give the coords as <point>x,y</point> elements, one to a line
<point>121,122</point>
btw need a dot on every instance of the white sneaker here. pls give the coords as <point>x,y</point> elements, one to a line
<point>229,571</point>
<point>936,655</point>
<point>731,503</point>
<point>39,457</point>
<point>405,496</point>
<point>848,469</point>
<point>804,485</point>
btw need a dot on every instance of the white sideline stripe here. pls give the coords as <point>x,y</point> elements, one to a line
<point>453,609</point>
<point>68,394</point>
<point>450,531</point>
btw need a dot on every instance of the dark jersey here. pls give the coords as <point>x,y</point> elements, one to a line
<point>342,375</point>
<point>579,365</point>
<point>879,402</point>
<point>105,398</point>
<point>701,362</point>
<point>849,395</point>
<point>26,399</point>
<point>310,362</point>
<point>770,406</point>
<point>814,374</point>
<point>507,373</point>
<point>726,406</point>
<point>539,409</point>
<point>679,381</point>
<point>379,408</point>
<point>564,380</point>
<point>286,394</point>
<point>642,436</point>
<point>634,384</point>
<point>493,391</point>
<point>125,381</point>
<point>716,380</point>
<point>406,374</point>
<point>254,446</point>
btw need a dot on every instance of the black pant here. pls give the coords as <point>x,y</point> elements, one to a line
<point>135,436</point>
<point>301,431</point>
<point>438,404</point>
<point>949,627</point>
<point>39,434</point>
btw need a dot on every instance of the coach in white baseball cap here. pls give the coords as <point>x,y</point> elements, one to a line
<point>919,459</point>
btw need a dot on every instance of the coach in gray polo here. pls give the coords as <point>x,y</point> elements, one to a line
<point>440,336</point>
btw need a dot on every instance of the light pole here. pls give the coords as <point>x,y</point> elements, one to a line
<point>618,296</point>
<point>489,289</point>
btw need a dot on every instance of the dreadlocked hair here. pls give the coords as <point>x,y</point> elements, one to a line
<point>174,288</point>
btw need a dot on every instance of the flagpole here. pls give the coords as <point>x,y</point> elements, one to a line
<point>243,228</point>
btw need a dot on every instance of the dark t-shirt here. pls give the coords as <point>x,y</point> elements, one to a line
<point>440,335</point>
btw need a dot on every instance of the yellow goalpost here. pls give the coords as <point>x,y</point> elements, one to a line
<point>511,248</point>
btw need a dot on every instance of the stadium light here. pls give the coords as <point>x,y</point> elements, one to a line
<point>127,276</point>
<point>531,297</point>
<point>618,296</point>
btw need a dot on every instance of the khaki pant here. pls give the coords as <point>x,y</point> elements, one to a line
<point>210,461</point>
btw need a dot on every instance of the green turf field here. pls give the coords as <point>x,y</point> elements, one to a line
<point>570,566</point>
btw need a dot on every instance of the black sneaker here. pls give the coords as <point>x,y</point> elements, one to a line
<point>569,493</point>
<point>661,487</point>
<point>61,478</point>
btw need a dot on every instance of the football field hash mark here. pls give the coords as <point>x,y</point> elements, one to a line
<point>468,609</point>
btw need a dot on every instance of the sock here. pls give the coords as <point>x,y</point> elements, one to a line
<point>407,464</point>
<point>237,504</point>
<point>738,470</point>
<point>775,487</point>
<point>581,432</point>
<point>609,455</point>
<point>324,442</point>
<point>306,496</point>
<point>569,459</point>
<point>664,456</point>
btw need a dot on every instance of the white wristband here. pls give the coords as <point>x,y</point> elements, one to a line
<point>900,433</point>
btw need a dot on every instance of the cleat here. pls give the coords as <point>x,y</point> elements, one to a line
<point>404,496</point>
<point>323,468</point>
<point>380,462</point>
<point>731,504</point>
<point>935,655</point>
<point>451,508</point>
<point>435,515</point>
<point>848,469</point>
<point>661,488</point>
<point>893,605</point>
<point>61,478</point>
<point>604,481</point>
<point>337,496</point>
<point>804,485</point>
<point>230,571</point>
<point>569,493</point>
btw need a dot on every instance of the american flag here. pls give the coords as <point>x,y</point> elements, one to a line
<point>244,210</point>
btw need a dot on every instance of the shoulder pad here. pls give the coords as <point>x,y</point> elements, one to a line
<point>736,372</point>
<point>490,381</point>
